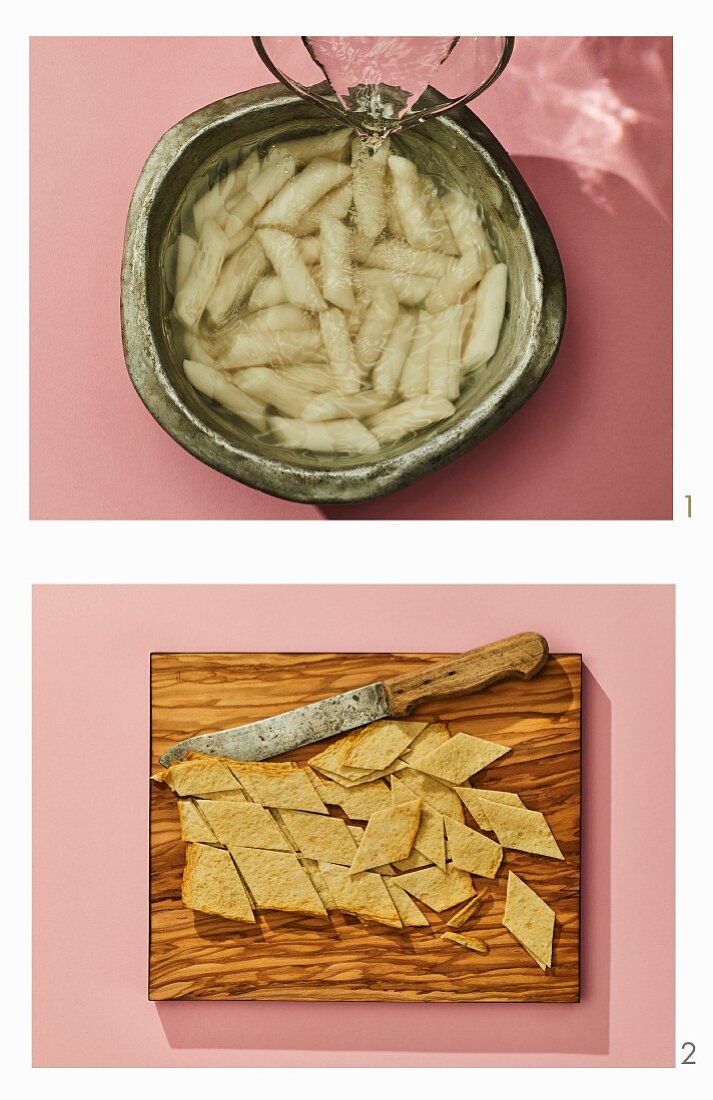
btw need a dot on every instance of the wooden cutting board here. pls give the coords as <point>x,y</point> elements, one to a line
<point>288,957</point>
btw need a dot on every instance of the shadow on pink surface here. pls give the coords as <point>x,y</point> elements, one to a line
<point>595,441</point>
<point>482,1028</point>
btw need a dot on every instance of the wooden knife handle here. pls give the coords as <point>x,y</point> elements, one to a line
<point>522,656</point>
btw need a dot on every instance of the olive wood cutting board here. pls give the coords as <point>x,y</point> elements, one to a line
<point>293,957</point>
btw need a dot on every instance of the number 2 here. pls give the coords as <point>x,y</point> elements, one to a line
<point>688,1060</point>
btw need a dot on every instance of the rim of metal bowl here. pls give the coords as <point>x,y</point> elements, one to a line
<point>368,478</point>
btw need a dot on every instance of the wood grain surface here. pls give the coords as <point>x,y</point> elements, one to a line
<point>294,957</point>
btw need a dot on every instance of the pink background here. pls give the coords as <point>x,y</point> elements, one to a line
<point>588,122</point>
<point>91,765</point>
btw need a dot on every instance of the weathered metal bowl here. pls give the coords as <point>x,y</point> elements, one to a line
<point>458,148</point>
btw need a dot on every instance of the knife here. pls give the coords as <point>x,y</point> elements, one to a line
<point>521,656</point>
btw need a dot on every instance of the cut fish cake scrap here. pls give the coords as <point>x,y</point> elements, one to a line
<point>211,884</point>
<point>389,836</point>
<point>463,915</point>
<point>277,880</point>
<point>471,942</point>
<point>521,829</point>
<point>242,824</point>
<point>460,758</point>
<point>530,920</point>
<point>471,851</point>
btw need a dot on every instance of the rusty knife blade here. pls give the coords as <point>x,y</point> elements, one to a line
<point>284,732</point>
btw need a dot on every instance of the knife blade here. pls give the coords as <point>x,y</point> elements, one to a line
<point>522,655</point>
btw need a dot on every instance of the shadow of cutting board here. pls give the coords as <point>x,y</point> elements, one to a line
<point>289,957</point>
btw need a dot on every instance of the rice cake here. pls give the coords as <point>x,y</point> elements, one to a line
<point>436,794</point>
<point>471,798</point>
<point>364,895</point>
<point>430,840</point>
<point>471,851</point>
<point>409,913</point>
<point>194,828</point>
<point>434,735</point>
<point>212,884</point>
<point>522,829</point>
<point>438,889</point>
<point>389,836</point>
<point>243,824</point>
<point>277,880</point>
<point>319,837</point>
<point>461,757</point>
<point>198,776</point>
<point>380,743</point>
<point>281,786</point>
<point>530,920</point>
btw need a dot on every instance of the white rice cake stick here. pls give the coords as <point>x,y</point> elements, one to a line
<point>414,375</point>
<point>466,226</point>
<point>197,351</point>
<point>376,327</point>
<point>444,361</point>
<point>249,348</point>
<point>393,221</point>
<point>409,416</point>
<point>310,249</point>
<point>336,261</point>
<point>294,200</point>
<point>463,276</point>
<point>237,279</point>
<point>488,319</point>
<point>337,202</point>
<point>243,175</point>
<point>335,406</point>
<point>185,253</point>
<point>275,318</point>
<point>212,204</point>
<point>340,352</point>
<point>272,177</point>
<point>386,373</point>
<point>442,236</point>
<point>341,436</point>
<point>213,384</point>
<point>203,275</point>
<point>401,257</point>
<point>410,203</point>
<point>236,237</point>
<point>333,145</point>
<point>283,252</point>
<point>314,378</point>
<point>410,290</point>
<point>363,298</point>
<point>370,187</point>
<point>268,291</point>
<point>273,388</point>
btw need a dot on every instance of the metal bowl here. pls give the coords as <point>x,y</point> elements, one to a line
<point>458,148</point>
